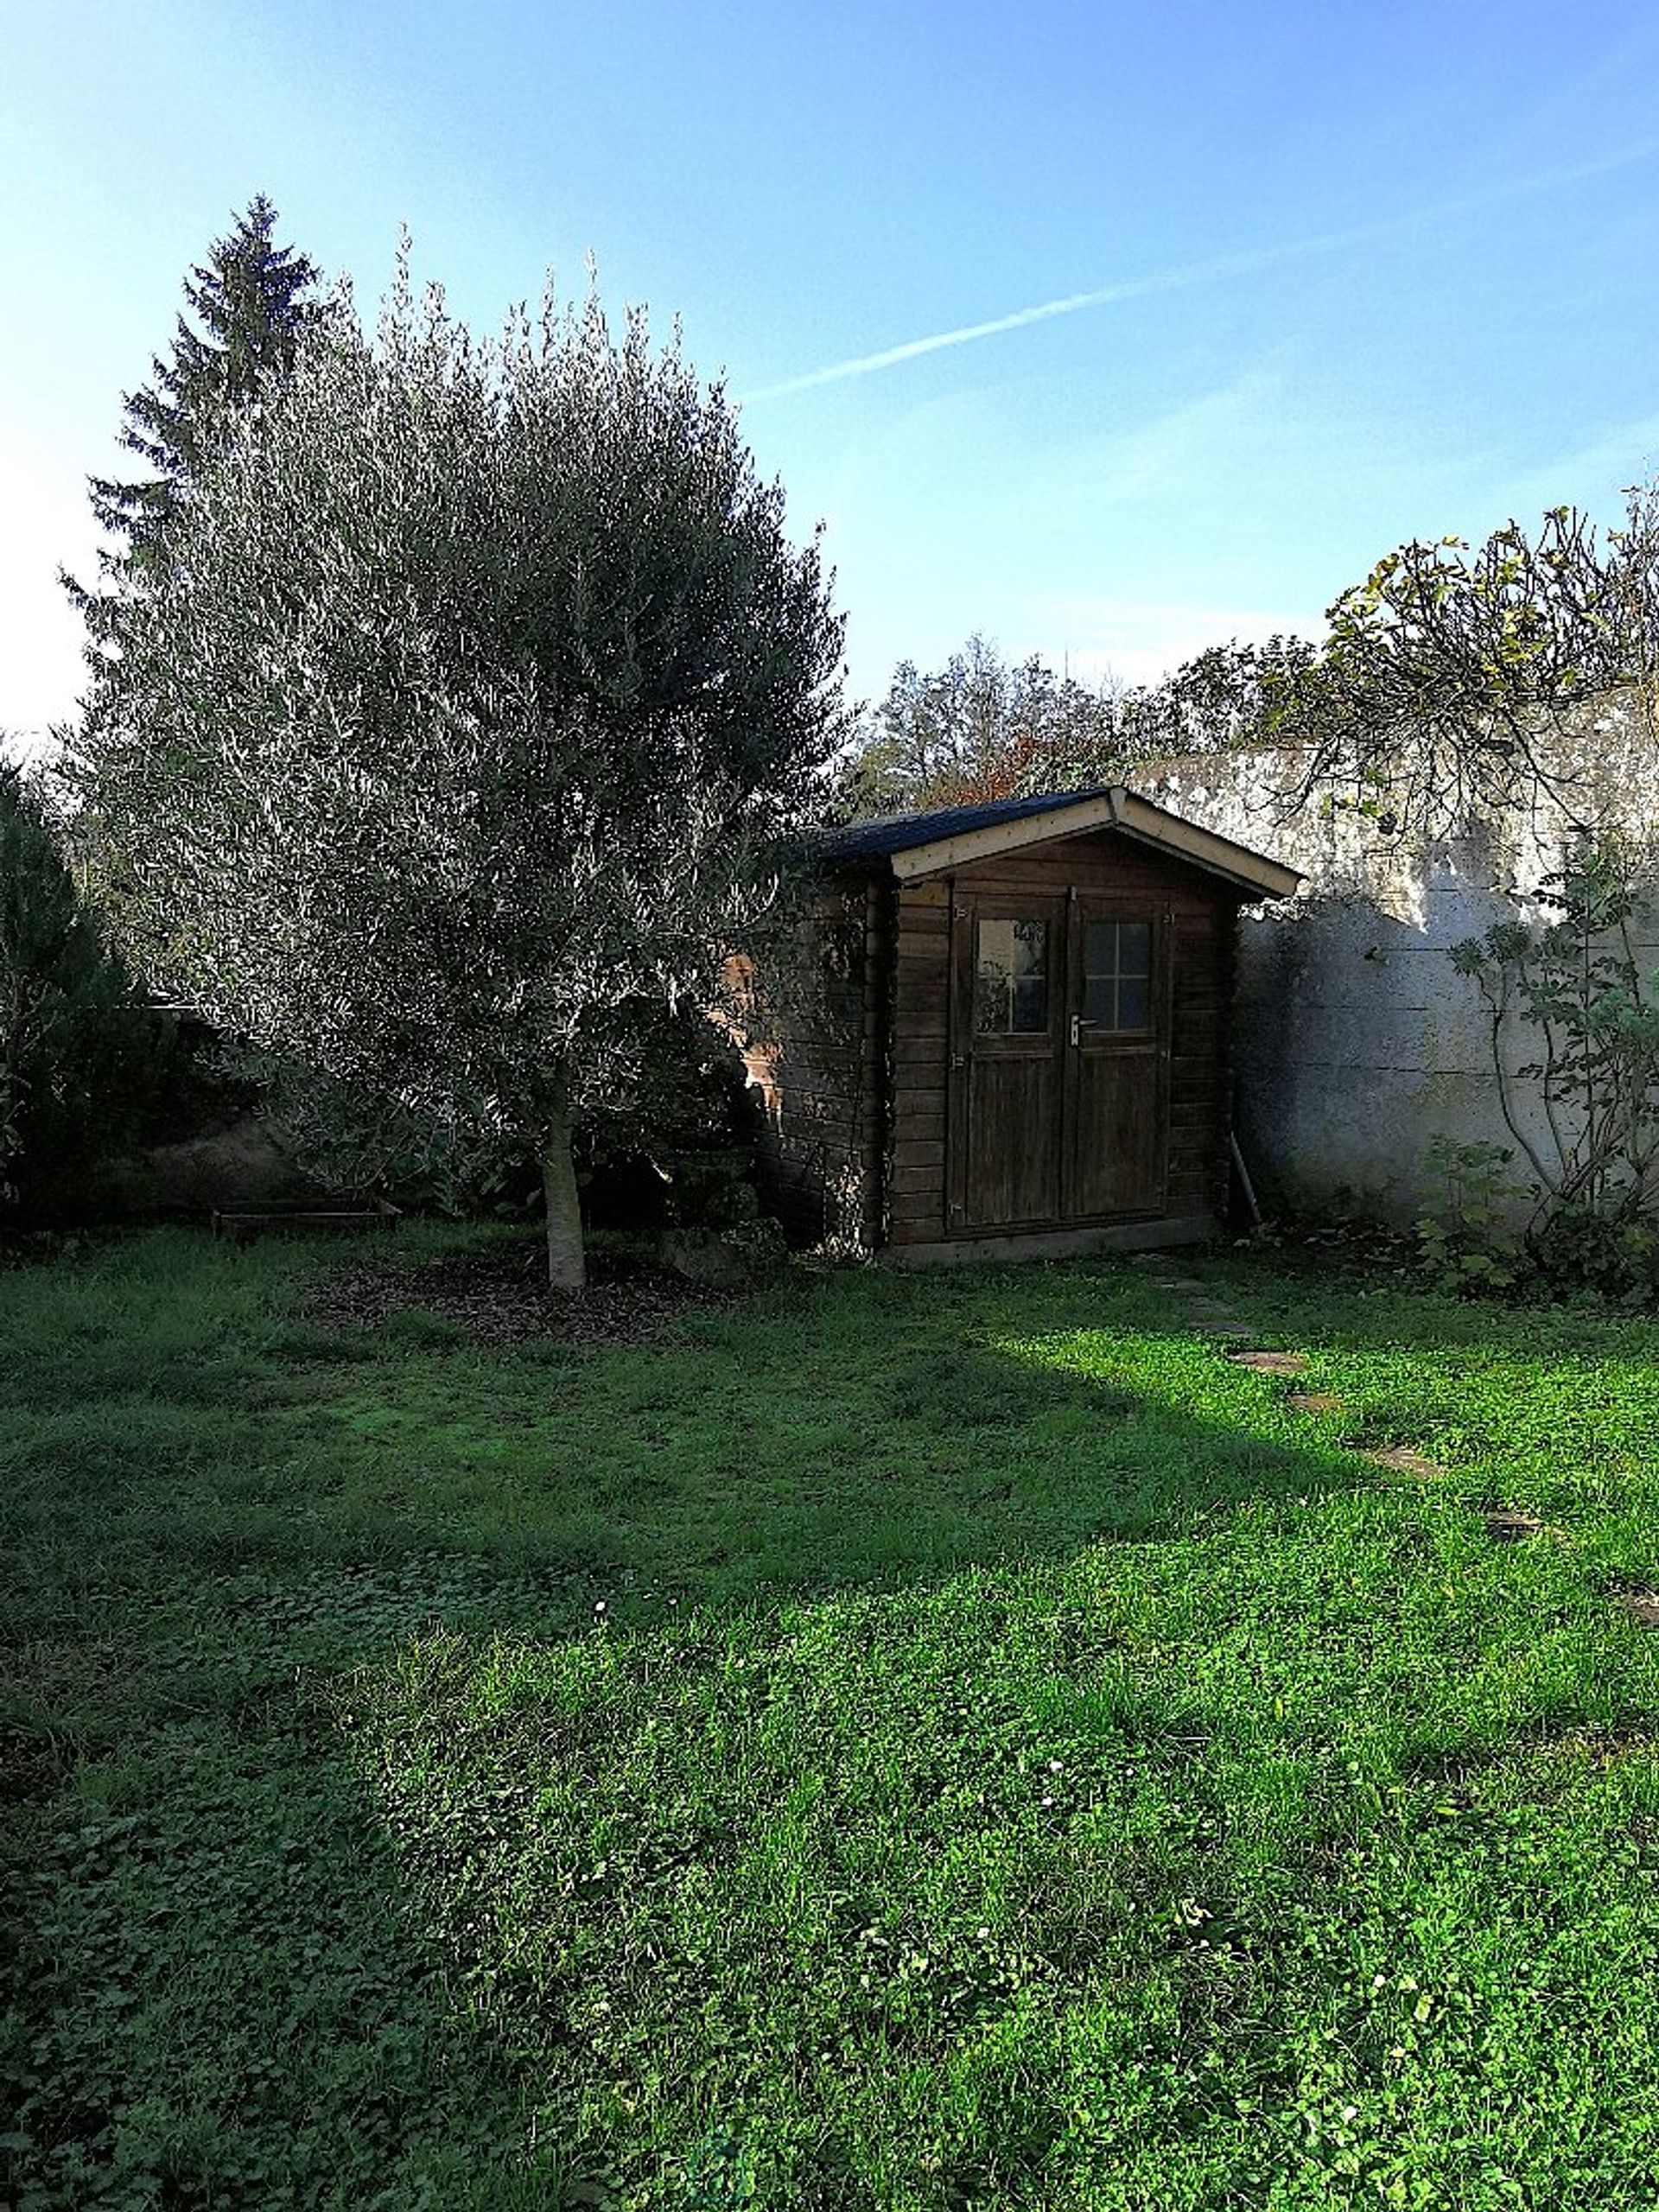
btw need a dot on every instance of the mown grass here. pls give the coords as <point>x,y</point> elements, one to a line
<point>903,1743</point>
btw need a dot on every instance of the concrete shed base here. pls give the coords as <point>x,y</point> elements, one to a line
<point>1055,1244</point>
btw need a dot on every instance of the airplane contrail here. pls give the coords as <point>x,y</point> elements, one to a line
<point>1245,263</point>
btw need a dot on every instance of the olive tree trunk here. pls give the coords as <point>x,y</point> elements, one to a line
<point>567,1268</point>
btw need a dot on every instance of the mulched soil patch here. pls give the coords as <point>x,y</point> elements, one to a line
<point>1270,1363</point>
<point>1315,1402</point>
<point>500,1296</point>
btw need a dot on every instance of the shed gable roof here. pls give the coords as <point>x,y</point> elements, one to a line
<point>915,845</point>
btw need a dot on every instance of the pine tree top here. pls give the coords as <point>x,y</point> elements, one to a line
<point>246,306</point>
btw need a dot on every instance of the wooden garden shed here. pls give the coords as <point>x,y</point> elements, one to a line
<point>1014,1031</point>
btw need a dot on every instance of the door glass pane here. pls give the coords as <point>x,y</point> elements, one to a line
<point>1011,977</point>
<point>1118,974</point>
<point>1134,1009</point>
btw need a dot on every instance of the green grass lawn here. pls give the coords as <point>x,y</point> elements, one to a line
<point>901,1743</point>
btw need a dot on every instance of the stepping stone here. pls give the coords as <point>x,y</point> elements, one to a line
<point>1506,1525</point>
<point>1641,1605</point>
<point>1401,1459</point>
<point>1270,1363</point>
<point>1313,1402</point>
<point>1229,1329</point>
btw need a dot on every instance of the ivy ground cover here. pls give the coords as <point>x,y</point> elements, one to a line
<point>898,1743</point>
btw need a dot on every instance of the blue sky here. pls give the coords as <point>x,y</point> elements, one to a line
<point>1348,275</point>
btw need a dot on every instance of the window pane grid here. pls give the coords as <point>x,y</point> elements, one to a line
<point>1117,975</point>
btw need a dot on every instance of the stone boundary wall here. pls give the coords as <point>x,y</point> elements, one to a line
<point>1357,1043</point>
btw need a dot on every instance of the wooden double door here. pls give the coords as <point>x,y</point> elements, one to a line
<point>1059,1060</point>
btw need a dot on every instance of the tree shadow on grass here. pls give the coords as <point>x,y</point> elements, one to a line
<point>523,1744</point>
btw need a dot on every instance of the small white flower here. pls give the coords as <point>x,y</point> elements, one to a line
<point>983,1932</point>
<point>599,1606</point>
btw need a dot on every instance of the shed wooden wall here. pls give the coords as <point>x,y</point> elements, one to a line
<point>1203,913</point>
<point>815,1054</point>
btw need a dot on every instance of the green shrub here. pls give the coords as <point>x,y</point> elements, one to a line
<point>1579,1250</point>
<point>665,1150</point>
<point>83,1061</point>
<point>1461,1242</point>
<point>1577,982</point>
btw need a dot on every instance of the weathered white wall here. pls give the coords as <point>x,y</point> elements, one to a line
<point>1359,1043</point>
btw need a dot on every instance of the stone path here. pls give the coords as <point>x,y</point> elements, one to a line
<point>1212,1316</point>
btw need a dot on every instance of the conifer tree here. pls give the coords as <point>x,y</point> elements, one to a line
<point>250,300</point>
<point>80,1054</point>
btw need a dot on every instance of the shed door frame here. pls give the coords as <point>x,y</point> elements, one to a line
<point>1068,1043</point>
<point>1138,1054</point>
<point>995,1064</point>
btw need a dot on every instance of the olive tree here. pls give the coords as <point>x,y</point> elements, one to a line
<point>469,719</point>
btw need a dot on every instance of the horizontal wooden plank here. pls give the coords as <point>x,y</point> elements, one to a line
<point>919,1181</point>
<point>836,1104</point>
<point>913,948</point>
<point>824,1103</point>
<point>1187,1193</point>
<point>919,1151</point>
<point>802,1129</point>
<point>1100,861</point>
<point>820,1071</point>
<point>921,1230</point>
<point>1198,1165</point>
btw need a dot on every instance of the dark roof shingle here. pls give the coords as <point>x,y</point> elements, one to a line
<point>900,833</point>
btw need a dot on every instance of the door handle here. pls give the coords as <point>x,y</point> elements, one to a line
<point>1076,1029</point>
